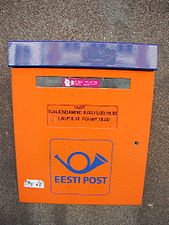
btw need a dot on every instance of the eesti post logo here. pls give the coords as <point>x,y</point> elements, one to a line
<point>81,167</point>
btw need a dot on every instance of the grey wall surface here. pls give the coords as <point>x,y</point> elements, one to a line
<point>102,20</point>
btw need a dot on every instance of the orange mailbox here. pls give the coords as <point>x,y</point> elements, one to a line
<point>82,113</point>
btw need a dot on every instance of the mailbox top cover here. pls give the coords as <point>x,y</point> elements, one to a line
<point>82,54</point>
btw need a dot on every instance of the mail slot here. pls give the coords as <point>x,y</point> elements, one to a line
<point>82,113</point>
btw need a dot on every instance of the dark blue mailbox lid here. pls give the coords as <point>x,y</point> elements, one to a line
<point>82,54</point>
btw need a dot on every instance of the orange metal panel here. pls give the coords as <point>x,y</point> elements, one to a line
<point>88,163</point>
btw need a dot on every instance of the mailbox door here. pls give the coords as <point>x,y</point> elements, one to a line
<point>82,144</point>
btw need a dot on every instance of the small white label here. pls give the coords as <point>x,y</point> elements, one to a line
<point>28,183</point>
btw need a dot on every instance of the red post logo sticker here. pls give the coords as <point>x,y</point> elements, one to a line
<point>80,167</point>
<point>81,82</point>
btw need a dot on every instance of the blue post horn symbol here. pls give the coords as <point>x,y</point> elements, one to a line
<point>98,160</point>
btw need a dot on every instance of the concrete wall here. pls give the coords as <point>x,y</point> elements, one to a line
<point>102,20</point>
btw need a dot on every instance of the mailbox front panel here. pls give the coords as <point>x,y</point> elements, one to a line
<point>81,135</point>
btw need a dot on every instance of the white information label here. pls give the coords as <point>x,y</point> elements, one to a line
<point>29,183</point>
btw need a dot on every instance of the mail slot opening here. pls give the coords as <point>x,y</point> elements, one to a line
<point>79,82</point>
